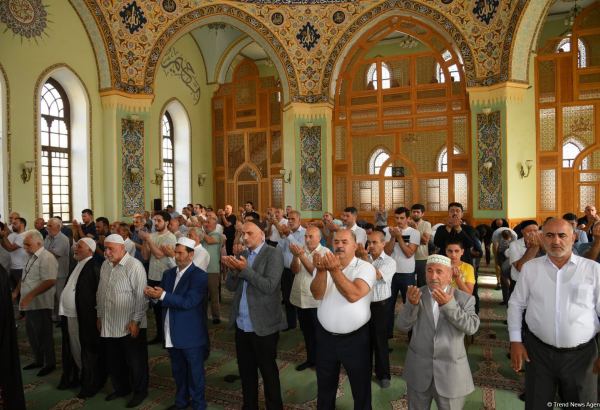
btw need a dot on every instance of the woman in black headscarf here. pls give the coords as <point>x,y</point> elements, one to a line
<point>11,384</point>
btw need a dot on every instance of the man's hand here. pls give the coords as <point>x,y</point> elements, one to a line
<point>284,230</point>
<point>98,325</point>
<point>318,262</point>
<point>75,223</point>
<point>455,272</point>
<point>134,329</point>
<point>413,294</point>
<point>533,240</point>
<point>235,264</point>
<point>596,368</point>
<point>153,292</point>
<point>168,250</point>
<point>518,354</point>
<point>331,262</point>
<point>296,250</point>
<point>25,301</point>
<point>238,248</point>
<point>144,235</point>
<point>361,253</point>
<point>14,296</point>
<point>442,297</point>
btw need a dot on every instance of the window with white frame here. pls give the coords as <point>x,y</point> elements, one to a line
<point>372,76</point>
<point>376,160</point>
<point>168,163</point>
<point>564,46</point>
<point>442,162</point>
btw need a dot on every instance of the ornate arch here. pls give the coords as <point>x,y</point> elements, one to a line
<point>384,11</point>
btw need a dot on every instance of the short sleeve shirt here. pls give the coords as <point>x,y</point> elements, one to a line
<point>159,266</point>
<point>214,250</point>
<point>405,264</point>
<point>40,267</point>
<point>467,274</point>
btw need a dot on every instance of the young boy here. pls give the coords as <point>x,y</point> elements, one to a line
<point>463,274</point>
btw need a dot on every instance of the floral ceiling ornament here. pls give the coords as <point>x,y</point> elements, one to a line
<point>169,6</point>
<point>485,10</point>
<point>26,18</point>
<point>308,36</point>
<point>133,17</point>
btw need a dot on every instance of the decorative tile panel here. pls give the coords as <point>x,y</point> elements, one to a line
<point>587,196</point>
<point>547,129</point>
<point>489,160</point>
<point>310,168</point>
<point>132,146</point>
<point>461,189</point>
<point>548,194</point>
<point>578,123</point>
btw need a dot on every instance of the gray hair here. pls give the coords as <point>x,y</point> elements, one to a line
<point>57,221</point>
<point>35,234</point>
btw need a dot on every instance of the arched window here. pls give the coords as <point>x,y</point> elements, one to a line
<point>3,146</point>
<point>385,76</point>
<point>55,126</point>
<point>168,185</point>
<point>570,150</point>
<point>376,160</point>
<point>452,70</point>
<point>564,46</point>
<point>442,162</point>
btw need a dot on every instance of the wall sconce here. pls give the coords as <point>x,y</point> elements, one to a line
<point>158,176</point>
<point>486,110</point>
<point>528,165</point>
<point>287,175</point>
<point>26,170</point>
<point>133,173</point>
<point>201,178</point>
<point>488,166</point>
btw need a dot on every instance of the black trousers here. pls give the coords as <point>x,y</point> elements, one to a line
<point>378,328</point>
<point>400,283</point>
<point>351,350</point>
<point>568,372</point>
<point>39,332</point>
<point>127,362</point>
<point>308,324</point>
<point>420,267</point>
<point>287,280</point>
<point>157,309</point>
<point>70,371</point>
<point>258,353</point>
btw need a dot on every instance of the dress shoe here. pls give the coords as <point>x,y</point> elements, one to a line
<point>46,370</point>
<point>289,328</point>
<point>304,366</point>
<point>384,383</point>
<point>216,321</point>
<point>114,395</point>
<point>174,407</point>
<point>136,401</point>
<point>33,366</point>
<point>155,341</point>
<point>231,378</point>
<point>522,396</point>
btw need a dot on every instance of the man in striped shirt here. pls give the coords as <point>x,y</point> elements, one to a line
<point>121,307</point>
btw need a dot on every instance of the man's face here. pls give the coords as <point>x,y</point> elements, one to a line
<point>17,226</point>
<point>312,238</point>
<point>101,228</point>
<point>159,223</point>
<point>375,244</point>
<point>123,231</point>
<point>248,207</point>
<point>193,235</point>
<point>81,251</point>
<point>344,244</point>
<point>416,215</point>
<point>278,214</point>
<point>228,209</point>
<point>39,223</point>
<point>348,219</point>
<point>288,209</point>
<point>590,210</point>
<point>252,235</point>
<point>327,217</point>
<point>182,257</point>
<point>455,212</point>
<point>438,276</point>
<point>293,221</point>
<point>138,222</point>
<point>53,228</point>
<point>401,220</point>
<point>210,224</point>
<point>12,216</point>
<point>114,252</point>
<point>454,252</point>
<point>558,238</point>
<point>31,245</point>
<point>529,229</point>
<point>174,225</point>
<point>86,218</point>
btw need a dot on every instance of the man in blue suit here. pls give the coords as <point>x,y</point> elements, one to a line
<point>182,293</point>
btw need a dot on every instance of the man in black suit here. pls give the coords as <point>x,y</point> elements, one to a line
<point>81,339</point>
<point>256,314</point>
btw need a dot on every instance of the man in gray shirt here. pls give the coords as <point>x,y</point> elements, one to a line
<point>58,245</point>
<point>37,300</point>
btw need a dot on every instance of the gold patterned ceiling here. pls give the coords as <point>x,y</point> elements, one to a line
<point>306,41</point>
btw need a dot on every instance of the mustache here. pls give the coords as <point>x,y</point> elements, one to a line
<point>339,250</point>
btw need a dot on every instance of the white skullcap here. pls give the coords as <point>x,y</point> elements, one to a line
<point>187,242</point>
<point>90,243</point>
<point>441,259</point>
<point>114,238</point>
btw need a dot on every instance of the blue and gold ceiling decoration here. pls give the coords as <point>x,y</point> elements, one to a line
<point>133,17</point>
<point>308,36</point>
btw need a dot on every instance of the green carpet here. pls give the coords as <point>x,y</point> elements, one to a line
<point>497,385</point>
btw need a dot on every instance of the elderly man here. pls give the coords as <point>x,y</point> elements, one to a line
<point>154,250</point>
<point>385,269</point>
<point>301,296</point>
<point>290,233</point>
<point>37,300</point>
<point>256,314</point>
<point>58,245</point>
<point>436,366</point>
<point>121,309</point>
<point>524,250</point>
<point>183,292</point>
<point>343,284</point>
<point>81,339</point>
<point>212,241</point>
<point>560,293</point>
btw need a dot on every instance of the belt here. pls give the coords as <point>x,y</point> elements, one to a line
<point>560,349</point>
<point>344,334</point>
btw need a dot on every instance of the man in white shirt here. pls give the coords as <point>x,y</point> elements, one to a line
<point>301,297</point>
<point>349,217</point>
<point>343,284</point>
<point>13,243</point>
<point>561,295</point>
<point>290,233</point>
<point>385,268</point>
<point>273,224</point>
<point>417,212</point>
<point>402,243</point>
<point>524,249</point>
